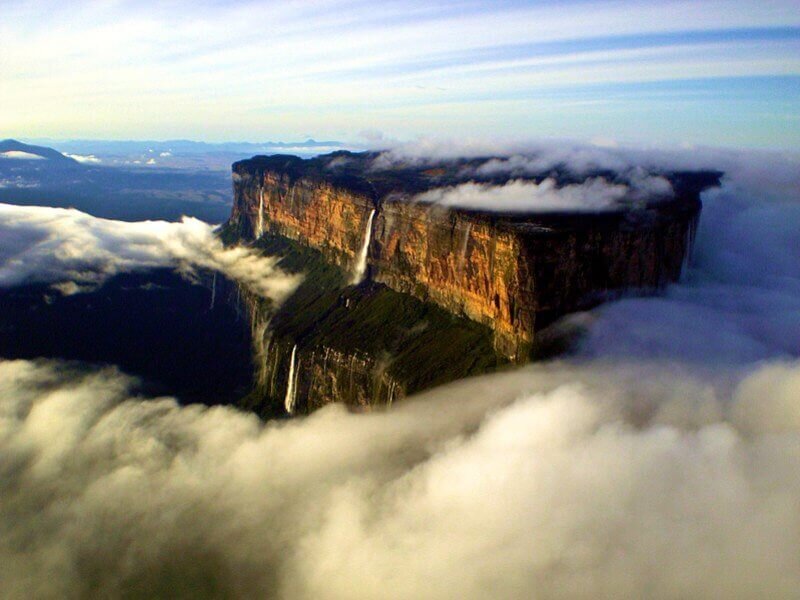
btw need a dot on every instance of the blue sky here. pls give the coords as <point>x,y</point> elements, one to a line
<point>717,72</point>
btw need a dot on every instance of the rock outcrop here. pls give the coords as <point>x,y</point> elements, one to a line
<point>514,273</point>
<point>363,346</point>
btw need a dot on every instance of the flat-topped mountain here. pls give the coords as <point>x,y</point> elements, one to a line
<point>492,249</point>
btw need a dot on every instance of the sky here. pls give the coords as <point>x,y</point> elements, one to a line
<point>717,72</point>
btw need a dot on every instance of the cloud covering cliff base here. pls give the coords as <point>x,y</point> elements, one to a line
<point>556,481</point>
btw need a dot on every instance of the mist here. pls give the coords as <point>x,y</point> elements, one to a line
<point>593,195</point>
<point>661,459</point>
<point>76,252</point>
<point>558,481</point>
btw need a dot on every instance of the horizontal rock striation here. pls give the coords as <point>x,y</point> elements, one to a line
<point>515,273</point>
<point>362,346</point>
<point>279,200</point>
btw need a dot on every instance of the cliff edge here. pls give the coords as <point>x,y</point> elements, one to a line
<point>442,233</point>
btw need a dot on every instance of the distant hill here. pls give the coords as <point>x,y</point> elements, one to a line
<point>103,148</point>
<point>132,180</point>
<point>36,175</point>
<point>14,148</point>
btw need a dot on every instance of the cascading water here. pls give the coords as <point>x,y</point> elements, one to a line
<point>259,337</point>
<point>292,384</point>
<point>691,233</point>
<point>213,291</point>
<point>260,230</point>
<point>361,263</point>
<point>261,343</point>
<point>462,255</point>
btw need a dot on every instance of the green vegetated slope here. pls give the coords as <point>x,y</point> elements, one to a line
<point>424,344</point>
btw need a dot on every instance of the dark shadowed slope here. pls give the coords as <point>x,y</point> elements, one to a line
<point>41,151</point>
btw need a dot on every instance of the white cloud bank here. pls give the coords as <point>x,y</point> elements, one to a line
<point>74,250</point>
<point>84,158</point>
<point>594,194</point>
<point>525,196</point>
<point>558,481</point>
<point>19,155</point>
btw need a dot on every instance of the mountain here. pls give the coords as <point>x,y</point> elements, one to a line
<point>14,147</point>
<point>402,294</point>
<point>118,191</point>
<point>169,152</point>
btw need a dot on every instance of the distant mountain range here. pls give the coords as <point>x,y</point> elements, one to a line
<point>128,188</point>
<point>99,147</point>
<point>179,154</point>
<point>133,180</point>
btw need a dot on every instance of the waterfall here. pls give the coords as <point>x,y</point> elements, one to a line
<point>292,384</point>
<point>361,263</point>
<point>691,233</point>
<point>259,336</point>
<point>260,230</point>
<point>260,343</point>
<point>462,255</point>
<point>213,290</point>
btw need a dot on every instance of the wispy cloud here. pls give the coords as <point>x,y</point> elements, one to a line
<point>268,69</point>
<point>84,158</point>
<point>76,251</point>
<point>592,195</point>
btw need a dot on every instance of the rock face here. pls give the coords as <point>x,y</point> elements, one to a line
<point>278,200</point>
<point>362,346</point>
<point>513,273</point>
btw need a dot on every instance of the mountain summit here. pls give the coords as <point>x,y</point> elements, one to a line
<point>15,149</point>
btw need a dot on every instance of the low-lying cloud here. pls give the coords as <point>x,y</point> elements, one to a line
<point>527,196</point>
<point>511,157</point>
<point>84,158</point>
<point>594,194</point>
<point>558,481</point>
<point>75,251</point>
<point>19,155</point>
<point>766,172</point>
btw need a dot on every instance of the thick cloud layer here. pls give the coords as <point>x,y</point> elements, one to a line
<point>662,461</point>
<point>558,481</point>
<point>74,251</point>
<point>775,171</point>
<point>740,300</point>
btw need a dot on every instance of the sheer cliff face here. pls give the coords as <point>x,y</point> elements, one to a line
<point>516,277</point>
<point>514,273</point>
<point>362,345</point>
<point>316,213</point>
<point>467,265</point>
